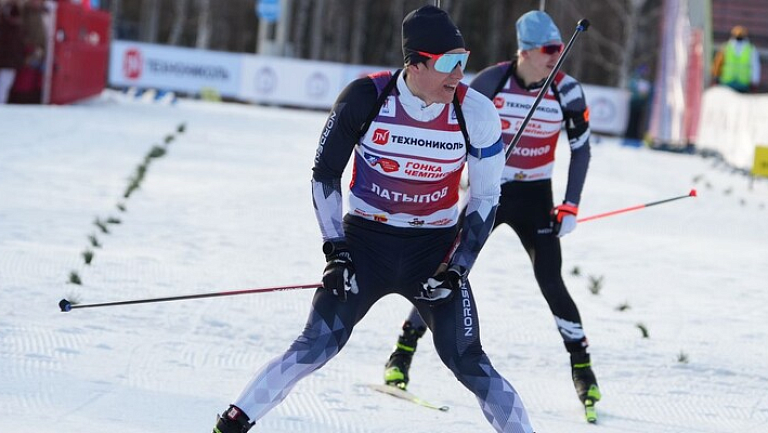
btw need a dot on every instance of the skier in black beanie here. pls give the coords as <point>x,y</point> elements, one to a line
<point>409,134</point>
<point>429,29</point>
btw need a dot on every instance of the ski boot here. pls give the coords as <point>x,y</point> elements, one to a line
<point>396,369</point>
<point>585,383</point>
<point>233,420</point>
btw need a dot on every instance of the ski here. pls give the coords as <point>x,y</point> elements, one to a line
<point>405,395</point>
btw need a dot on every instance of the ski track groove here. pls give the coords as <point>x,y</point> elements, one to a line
<point>33,353</point>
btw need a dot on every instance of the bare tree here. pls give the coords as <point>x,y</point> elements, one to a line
<point>243,23</point>
<point>337,30</point>
<point>150,17</point>
<point>115,9</point>
<point>203,24</point>
<point>495,21</point>
<point>394,56</point>
<point>614,37</point>
<point>301,22</point>
<point>359,26</point>
<point>623,35</point>
<point>317,34</point>
<point>181,8</point>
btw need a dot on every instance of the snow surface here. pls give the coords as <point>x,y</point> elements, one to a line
<point>229,208</point>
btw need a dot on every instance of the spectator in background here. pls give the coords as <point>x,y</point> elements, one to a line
<point>737,63</point>
<point>641,87</point>
<point>28,86</point>
<point>11,46</point>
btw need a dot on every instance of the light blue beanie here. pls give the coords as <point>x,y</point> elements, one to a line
<point>535,29</point>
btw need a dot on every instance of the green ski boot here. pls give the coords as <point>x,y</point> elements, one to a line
<point>585,383</point>
<point>396,369</point>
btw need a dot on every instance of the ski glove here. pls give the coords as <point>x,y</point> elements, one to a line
<point>440,287</point>
<point>564,218</point>
<point>339,273</point>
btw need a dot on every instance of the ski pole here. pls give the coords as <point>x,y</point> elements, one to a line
<point>581,26</point>
<point>637,207</point>
<point>67,306</point>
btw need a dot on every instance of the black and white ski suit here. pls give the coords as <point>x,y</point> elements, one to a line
<point>401,223</point>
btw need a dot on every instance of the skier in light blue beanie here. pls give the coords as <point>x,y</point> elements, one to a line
<point>535,29</point>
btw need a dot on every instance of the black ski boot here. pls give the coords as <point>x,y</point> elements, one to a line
<point>585,383</point>
<point>396,369</point>
<point>233,420</point>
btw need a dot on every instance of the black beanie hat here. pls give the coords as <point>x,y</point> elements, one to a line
<point>429,29</point>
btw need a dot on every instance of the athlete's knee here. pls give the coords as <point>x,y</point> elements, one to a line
<point>319,343</point>
<point>469,363</point>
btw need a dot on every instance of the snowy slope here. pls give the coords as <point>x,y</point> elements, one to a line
<point>229,207</point>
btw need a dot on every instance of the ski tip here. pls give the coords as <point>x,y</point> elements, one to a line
<point>65,306</point>
<point>692,193</point>
<point>443,408</point>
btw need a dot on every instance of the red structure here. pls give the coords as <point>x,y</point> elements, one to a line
<point>80,47</point>
<point>694,85</point>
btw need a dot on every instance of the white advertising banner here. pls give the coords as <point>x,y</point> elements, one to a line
<point>133,64</point>
<point>299,83</point>
<point>608,109</point>
<point>732,124</point>
<point>285,81</point>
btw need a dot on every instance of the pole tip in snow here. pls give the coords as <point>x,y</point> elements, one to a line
<point>65,306</point>
<point>692,193</point>
<point>583,25</point>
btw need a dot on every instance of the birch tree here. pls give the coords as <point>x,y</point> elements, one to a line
<point>203,24</point>
<point>149,20</point>
<point>617,34</point>
<point>359,27</point>
<point>181,9</point>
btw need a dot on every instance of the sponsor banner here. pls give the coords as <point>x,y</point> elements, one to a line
<point>732,124</point>
<point>134,64</point>
<point>283,81</point>
<point>608,109</point>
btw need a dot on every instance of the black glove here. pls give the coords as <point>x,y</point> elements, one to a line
<point>339,274</point>
<point>440,287</point>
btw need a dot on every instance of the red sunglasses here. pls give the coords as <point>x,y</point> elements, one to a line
<point>447,62</point>
<point>551,49</point>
